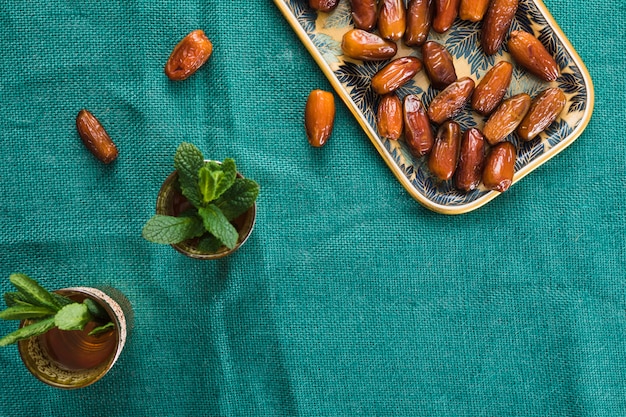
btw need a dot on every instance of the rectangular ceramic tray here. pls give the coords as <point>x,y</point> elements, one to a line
<point>321,34</point>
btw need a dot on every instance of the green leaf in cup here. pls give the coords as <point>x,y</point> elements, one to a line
<point>45,310</point>
<point>72,317</point>
<point>22,312</point>
<point>26,332</point>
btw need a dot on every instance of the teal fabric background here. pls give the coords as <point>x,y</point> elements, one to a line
<point>349,298</point>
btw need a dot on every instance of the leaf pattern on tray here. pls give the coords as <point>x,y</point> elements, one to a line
<point>557,129</point>
<point>304,14</point>
<point>328,47</point>
<point>463,41</point>
<point>528,152</point>
<point>569,83</point>
<point>340,17</point>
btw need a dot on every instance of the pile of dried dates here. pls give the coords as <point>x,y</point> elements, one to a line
<point>452,154</point>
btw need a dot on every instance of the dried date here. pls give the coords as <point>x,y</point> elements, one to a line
<point>444,156</point>
<point>389,117</point>
<point>496,24</point>
<point>544,110</point>
<point>506,118</point>
<point>500,167</point>
<point>392,19</point>
<point>445,13</point>
<point>419,18</point>
<point>418,134</point>
<point>323,5</point>
<point>491,88</point>
<point>471,159</point>
<point>450,101</point>
<point>395,74</point>
<point>360,44</point>
<point>188,56</point>
<point>364,13</point>
<point>319,117</point>
<point>438,64</point>
<point>473,10</point>
<point>529,52</point>
<point>95,138</point>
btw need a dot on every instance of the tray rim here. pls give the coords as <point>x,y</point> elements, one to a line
<point>387,157</point>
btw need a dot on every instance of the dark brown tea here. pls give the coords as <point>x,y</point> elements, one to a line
<point>75,349</point>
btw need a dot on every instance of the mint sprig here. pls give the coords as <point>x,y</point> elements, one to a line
<point>21,312</point>
<point>33,293</point>
<point>169,229</point>
<point>15,298</point>
<point>187,161</point>
<point>218,225</point>
<point>34,329</point>
<point>215,179</point>
<point>217,195</point>
<point>47,310</point>
<point>238,198</point>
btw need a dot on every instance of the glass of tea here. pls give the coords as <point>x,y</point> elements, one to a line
<point>75,359</point>
<point>171,201</point>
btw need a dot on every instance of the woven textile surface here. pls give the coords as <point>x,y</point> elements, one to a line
<point>349,298</point>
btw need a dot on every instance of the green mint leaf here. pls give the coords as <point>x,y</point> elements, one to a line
<point>208,182</point>
<point>102,329</point>
<point>213,165</point>
<point>73,317</point>
<point>230,174</point>
<point>216,178</point>
<point>209,243</point>
<point>22,312</point>
<point>15,298</point>
<point>187,161</point>
<point>33,292</point>
<point>26,332</point>
<point>238,198</point>
<point>169,229</point>
<point>218,225</point>
<point>96,309</point>
<point>63,301</point>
